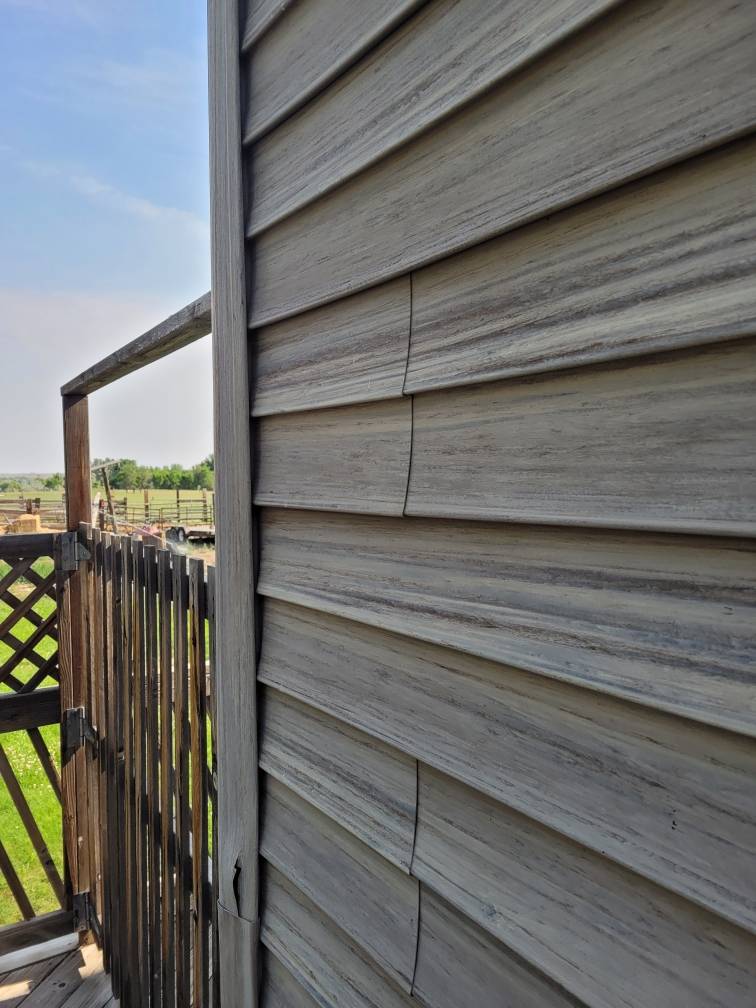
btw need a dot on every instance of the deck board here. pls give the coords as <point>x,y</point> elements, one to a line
<point>74,980</point>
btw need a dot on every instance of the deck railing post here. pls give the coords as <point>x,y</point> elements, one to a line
<point>74,648</point>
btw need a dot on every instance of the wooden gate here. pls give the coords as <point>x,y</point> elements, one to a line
<point>150,624</point>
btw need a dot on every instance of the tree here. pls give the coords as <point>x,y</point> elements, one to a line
<point>54,482</point>
<point>10,486</point>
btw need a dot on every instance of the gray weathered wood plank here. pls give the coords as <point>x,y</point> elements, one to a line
<point>280,989</point>
<point>610,938</point>
<point>366,786</point>
<point>666,443</point>
<point>647,85</point>
<point>315,40</point>
<point>179,330</point>
<point>352,351</point>
<point>259,16</point>
<point>235,630</point>
<point>459,965</point>
<point>349,458</point>
<point>668,798</point>
<point>635,615</point>
<point>449,53</point>
<point>365,895</point>
<point>324,960</point>
<point>663,262</point>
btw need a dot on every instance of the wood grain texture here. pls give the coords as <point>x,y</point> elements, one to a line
<point>280,989</point>
<point>352,351</point>
<point>368,787</point>
<point>235,631</point>
<point>664,443</point>
<point>326,962</point>
<point>259,16</point>
<point>369,898</point>
<point>666,621</point>
<point>315,40</point>
<point>351,458</point>
<point>29,710</point>
<point>646,85</point>
<point>73,631</point>
<point>610,938</point>
<point>663,262</point>
<point>447,54</point>
<point>177,331</point>
<point>665,797</point>
<point>459,965</point>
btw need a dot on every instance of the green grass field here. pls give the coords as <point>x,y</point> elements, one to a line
<point>36,787</point>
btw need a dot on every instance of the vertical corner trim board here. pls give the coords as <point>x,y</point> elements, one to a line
<point>649,84</point>
<point>236,630</point>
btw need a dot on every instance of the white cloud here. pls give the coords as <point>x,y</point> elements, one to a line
<point>163,80</point>
<point>106,194</point>
<point>160,414</point>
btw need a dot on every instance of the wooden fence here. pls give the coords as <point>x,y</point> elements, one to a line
<point>150,625</point>
<point>29,701</point>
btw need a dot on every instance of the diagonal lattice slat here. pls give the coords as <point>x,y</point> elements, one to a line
<point>33,656</point>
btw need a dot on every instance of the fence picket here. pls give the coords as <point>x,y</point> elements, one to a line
<point>151,634</point>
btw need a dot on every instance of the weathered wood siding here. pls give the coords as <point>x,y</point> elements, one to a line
<point>502,358</point>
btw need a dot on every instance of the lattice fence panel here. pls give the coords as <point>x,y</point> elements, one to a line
<point>32,879</point>
<point>28,624</point>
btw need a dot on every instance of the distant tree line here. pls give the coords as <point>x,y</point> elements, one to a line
<point>13,485</point>
<point>127,474</point>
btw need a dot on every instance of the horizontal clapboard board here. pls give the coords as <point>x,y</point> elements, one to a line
<point>573,913</point>
<point>353,458</point>
<point>664,262</point>
<point>354,350</point>
<point>315,40</point>
<point>668,798</point>
<point>369,898</point>
<point>280,989</point>
<point>662,443</point>
<point>458,963</point>
<point>635,615</point>
<point>366,786</point>
<point>444,56</point>
<point>646,85</point>
<point>323,958</point>
<point>260,15</point>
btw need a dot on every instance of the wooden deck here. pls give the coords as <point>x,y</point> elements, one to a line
<point>73,979</point>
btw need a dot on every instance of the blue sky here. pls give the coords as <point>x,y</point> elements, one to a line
<point>103,219</point>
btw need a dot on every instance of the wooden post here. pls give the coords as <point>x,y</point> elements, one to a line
<point>108,494</point>
<point>236,622</point>
<point>74,644</point>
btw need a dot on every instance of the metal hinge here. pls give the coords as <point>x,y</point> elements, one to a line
<point>85,916</point>
<point>77,730</point>
<point>72,551</point>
